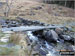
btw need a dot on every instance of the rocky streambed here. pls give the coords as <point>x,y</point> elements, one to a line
<point>51,43</point>
<point>45,42</point>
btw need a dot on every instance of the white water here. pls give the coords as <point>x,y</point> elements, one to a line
<point>49,47</point>
<point>34,38</point>
<point>4,40</point>
<point>31,36</point>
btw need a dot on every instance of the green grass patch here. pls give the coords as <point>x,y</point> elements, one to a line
<point>8,51</point>
<point>2,43</point>
<point>73,29</point>
<point>1,34</point>
<point>4,51</point>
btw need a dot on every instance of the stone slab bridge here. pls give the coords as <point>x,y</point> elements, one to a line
<point>29,28</point>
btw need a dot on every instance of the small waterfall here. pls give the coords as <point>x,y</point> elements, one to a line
<point>31,36</point>
<point>48,48</point>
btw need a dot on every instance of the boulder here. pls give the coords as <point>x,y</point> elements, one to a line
<point>51,36</point>
<point>59,30</point>
<point>54,35</point>
<point>47,35</point>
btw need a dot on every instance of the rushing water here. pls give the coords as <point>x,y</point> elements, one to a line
<point>48,49</point>
<point>45,47</point>
<point>31,36</point>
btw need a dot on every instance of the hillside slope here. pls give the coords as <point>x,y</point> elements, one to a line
<point>48,13</point>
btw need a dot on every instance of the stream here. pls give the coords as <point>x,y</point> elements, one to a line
<point>49,44</point>
<point>46,48</point>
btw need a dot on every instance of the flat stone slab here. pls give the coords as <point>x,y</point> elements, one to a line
<point>29,28</point>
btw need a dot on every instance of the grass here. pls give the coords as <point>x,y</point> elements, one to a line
<point>2,43</point>
<point>73,29</point>
<point>7,51</point>
<point>14,51</point>
<point>15,38</point>
<point>1,34</point>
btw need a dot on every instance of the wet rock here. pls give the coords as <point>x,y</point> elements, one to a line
<point>59,30</point>
<point>37,47</point>
<point>4,25</point>
<point>42,53</point>
<point>47,33</point>
<point>61,40</point>
<point>54,35</point>
<point>38,33</point>
<point>69,39</point>
<point>7,21</point>
<point>51,36</point>
<point>50,54</point>
<point>73,48</point>
<point>66,37</point>
<point>69,48</point>
<point>35,53</point>
<point>72,41</point>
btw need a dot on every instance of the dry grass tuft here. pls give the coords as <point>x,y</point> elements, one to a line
<point>15,38</point>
